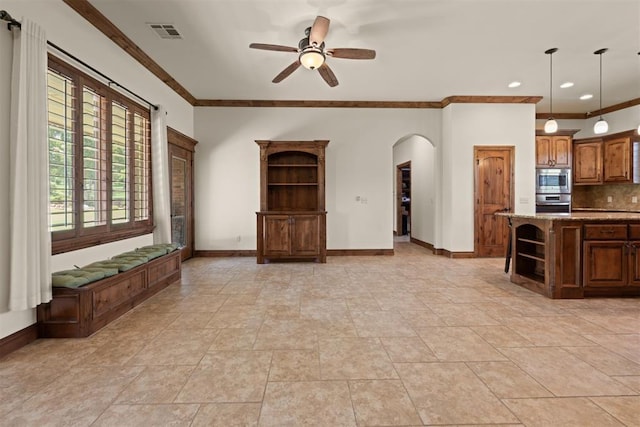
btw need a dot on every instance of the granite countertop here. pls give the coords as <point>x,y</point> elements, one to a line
<point>578,215</point>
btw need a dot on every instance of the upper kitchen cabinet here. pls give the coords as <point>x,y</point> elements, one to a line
<point>554,151</point>
<point>611,159</point>
<point>622,159</point>
<point>587,161</point>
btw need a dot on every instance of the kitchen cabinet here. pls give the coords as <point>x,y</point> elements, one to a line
<point>611,159</point>
<point>587,161</point>
<point>553,151</point>
<point>621,160</point>
<point>611,255</point>
<point>291,223</point>
<point>577,255</point>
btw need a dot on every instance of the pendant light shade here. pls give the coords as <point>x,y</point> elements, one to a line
<point>601,125</point>
<point>551,126</point>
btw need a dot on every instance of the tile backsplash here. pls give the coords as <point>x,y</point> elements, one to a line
<point>595,196</point>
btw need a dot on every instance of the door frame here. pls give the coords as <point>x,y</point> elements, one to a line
<point>399,197</point>
<point>180,142</point>
<point>476,213</point>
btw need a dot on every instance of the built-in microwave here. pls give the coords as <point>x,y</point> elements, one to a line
<point>556,181</point>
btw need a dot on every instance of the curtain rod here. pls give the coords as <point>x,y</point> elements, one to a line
<point>4,15</point>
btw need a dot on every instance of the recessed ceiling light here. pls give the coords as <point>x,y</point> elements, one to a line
<point>566,85</point>
<point>514,84</point>
<point>586,96</point>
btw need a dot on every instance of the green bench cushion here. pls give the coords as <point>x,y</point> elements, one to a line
<point>91,276</point>
<point>67,281</point>
<point>121,265</point>
<point>132,254</point>
<point>108,271</point>
<point>166,247</point>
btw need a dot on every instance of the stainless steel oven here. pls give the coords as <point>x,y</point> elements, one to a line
<point>553,203</point>
<point>553,181</point>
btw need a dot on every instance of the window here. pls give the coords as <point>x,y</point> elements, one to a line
<point>99,162</point>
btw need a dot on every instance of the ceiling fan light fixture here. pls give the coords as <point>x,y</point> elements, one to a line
<point>312,58</point>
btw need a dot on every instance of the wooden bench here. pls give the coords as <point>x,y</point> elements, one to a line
<point>79,312</point>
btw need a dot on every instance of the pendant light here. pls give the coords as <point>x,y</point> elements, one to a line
<point>601,125</point>
<point>551,126</point>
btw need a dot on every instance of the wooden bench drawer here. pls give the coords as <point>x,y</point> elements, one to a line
<point>634,231</point>
<point>110,297</point>
<point>605,232</point>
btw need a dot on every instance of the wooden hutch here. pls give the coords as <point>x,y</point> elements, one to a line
<point>292,216</point>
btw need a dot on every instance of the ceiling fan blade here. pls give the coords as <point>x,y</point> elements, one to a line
<point>319,30</point>
<point>275,47</point>
<point>328,75</point>
<point>349,53</point>
<point>286,72</point>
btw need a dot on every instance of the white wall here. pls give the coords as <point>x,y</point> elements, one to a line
<point>619,121</point>
<point>358,163</point>
<point>467,125</point>
<point>81,39</point>
<point>422,155</point>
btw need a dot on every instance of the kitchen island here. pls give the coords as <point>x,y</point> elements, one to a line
<point>578,254</point>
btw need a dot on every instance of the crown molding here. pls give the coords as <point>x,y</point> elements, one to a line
<point>562,116</point>
<point>490,100</point>
<point>314,104</point>
<point>108,28</point>
<point>612,108</point>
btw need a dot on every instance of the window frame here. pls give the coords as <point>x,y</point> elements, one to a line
<point>79,236</point>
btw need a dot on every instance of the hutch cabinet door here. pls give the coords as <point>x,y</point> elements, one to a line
<point>305,239</point>
<point>277,235</point>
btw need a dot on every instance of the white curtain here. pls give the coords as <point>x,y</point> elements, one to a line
<point>30,264</point>
<point>160,166</point>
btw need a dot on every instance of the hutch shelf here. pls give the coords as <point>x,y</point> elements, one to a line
<point>292,217</point>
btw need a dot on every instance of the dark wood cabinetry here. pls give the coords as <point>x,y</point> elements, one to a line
<point>553,151</point>
<point>292,217</point>
<point>612,159</point>
<point>611,257</point>
<point>577,256</point>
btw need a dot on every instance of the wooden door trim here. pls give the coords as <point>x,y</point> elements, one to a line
<point>476,219</point>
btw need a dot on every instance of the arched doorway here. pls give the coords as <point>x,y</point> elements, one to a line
<point>414,163</point>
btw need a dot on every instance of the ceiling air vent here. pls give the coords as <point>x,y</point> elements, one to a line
<point>165,31</point>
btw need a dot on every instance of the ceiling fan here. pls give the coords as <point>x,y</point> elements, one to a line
<point>312,53</point>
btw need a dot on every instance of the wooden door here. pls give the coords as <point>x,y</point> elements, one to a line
<point>305,235</point>
<point>277,235</point>
<point>561,151</point>
<point>587,162</point>
<point>543,151</point>
<point>617,160</point>
<point>181,149</point>
<point>493,193</point>
<point>605,263</point>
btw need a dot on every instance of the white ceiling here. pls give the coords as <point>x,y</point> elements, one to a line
<point>426,49</point>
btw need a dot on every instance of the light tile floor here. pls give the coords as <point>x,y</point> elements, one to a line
<point>411,339</point>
